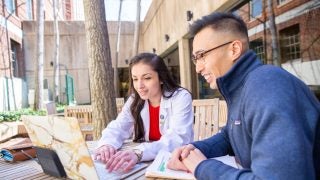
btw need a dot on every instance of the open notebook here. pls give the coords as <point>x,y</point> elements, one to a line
<point>63,135</point>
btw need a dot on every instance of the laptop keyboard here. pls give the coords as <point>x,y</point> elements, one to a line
<point>115,175</point>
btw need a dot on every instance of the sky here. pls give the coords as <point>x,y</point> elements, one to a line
<point>128,11</point>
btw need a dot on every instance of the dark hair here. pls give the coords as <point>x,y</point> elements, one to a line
<point>168,87</point>
<point>221,22</point>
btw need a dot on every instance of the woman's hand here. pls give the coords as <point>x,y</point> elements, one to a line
<point>104,153</point>
<point>122,160</point>
<point>178,155</point>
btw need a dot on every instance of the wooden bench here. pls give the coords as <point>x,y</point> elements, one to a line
<point>84,115</point>
<point>210,115</point>
<point>119,104</point>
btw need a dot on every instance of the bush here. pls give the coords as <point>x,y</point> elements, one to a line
<point>60,108</point>
<point>9,116</point>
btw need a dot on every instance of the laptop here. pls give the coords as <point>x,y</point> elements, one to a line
<point>63,137</point>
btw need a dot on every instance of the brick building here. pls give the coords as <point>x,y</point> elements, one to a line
<point>297,23</point>
<point>12,14</point>
<point>12,60</point>
<point>298,33</point>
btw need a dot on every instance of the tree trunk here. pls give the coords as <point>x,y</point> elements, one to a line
<point>39,63</point>
<point>56,66</point>
<point>100,67</point>
<point>274,36</point>
<point>136,30</point>
<point>115,70</point>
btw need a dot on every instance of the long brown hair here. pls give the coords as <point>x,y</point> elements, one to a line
<point>168,85</point>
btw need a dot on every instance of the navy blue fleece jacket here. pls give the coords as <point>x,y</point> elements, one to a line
<point>272,127</point>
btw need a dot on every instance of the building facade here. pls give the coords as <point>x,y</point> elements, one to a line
<point>297,30</point>
<point>12,55</point>
<point>164,31</point>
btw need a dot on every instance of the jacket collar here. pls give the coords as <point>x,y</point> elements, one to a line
<point>235,77</point>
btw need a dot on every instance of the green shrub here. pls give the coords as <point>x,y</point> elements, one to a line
<point>60,107</point>
<point>9,116</point>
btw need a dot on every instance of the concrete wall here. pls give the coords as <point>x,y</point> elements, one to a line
<point>19,92</point>
<point>308,72</point>
<point>73,53</point>
<point>170,17</point>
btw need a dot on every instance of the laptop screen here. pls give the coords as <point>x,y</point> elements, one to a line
<point>62,135</point>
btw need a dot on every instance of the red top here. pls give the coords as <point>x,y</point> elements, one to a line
<point>154,133</point>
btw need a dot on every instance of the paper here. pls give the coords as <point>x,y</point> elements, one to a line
<point>228,160</point>
<point>158,168</point>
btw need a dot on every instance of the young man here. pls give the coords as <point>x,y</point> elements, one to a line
<point>273,117</point>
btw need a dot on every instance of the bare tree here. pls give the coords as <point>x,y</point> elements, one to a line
<point>56,82</point>
<point>135,46</point>
<point>9,67</point>
<point>115,76</point>
<point>40,54</point>
<point>100,67</point>
<point>274,36</point>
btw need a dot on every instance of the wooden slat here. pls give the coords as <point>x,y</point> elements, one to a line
<point>84,115</point>
<point>202,130</point>
<point>22,170</point>
<point>196,126</point>
<point>215,117</point>
<point>119,104</point>
<point>223,113</point>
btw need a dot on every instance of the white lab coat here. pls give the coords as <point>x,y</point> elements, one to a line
<point>175,121</point>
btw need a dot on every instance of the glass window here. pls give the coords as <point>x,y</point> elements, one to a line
<point>10,5</point>
<point>29,5</point>
<point>290,43</point>
<point>14,58</point>
<point>279,2</point>
<point>255,8</point>
<point>235,12</point>
<point>257,46</point>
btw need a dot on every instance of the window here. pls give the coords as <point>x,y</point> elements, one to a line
<point>14,58</point>
<point>290,43</point>
<point>29,5</point>
<point>255,8</point>
<point>280,2</point>
<point>10,5</point>
<point>257,46</point>
<point>235,12</point>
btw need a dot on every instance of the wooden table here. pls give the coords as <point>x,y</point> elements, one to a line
<point>32,170</point>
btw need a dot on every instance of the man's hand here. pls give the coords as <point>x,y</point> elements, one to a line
<point>178,155</point>
<point>104,153</point>
<point>122,160</point>
<point>194,158</point>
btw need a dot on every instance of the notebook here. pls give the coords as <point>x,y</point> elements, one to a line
<point>64,137</point>
<point>158,168</point>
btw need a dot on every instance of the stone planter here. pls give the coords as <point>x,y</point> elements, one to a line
<point>11,129</point>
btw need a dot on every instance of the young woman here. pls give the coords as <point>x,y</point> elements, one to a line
<point>158,113</point>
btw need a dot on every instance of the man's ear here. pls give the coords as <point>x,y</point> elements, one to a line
<point>237,48</point>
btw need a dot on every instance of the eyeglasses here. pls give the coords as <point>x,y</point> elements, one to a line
<point>202,54</point>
